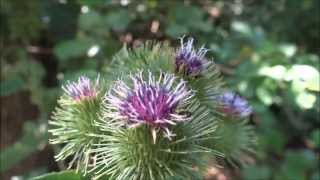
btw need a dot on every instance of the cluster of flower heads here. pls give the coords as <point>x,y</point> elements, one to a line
<point>189,60</point>
<point>192,62</point>
<point>155,102</point>
<point>158,101</point>
<point>149,101</point>
<point>82,89</point>
<point>235,105</point>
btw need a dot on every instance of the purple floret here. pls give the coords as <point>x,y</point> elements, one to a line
<point>190,61</point>
<point>148,101</point>
<point>81,89</point>
<point>152,106</point>
<point>233,104</point>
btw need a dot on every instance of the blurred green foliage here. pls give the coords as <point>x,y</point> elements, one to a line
<point>33,138</point>
<point>70,175</point>
<point>268,51</point>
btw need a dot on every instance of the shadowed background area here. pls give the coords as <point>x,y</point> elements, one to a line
<point>267,51</point>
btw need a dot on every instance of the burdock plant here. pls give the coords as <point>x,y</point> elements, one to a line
<point>162,115</point>
<point>73,121</point>
<point>237,138</point>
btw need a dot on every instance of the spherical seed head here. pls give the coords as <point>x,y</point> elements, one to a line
<point>233,104</point>
<point>189,60</point>
<point>82,89</point>
<point>148,101</point>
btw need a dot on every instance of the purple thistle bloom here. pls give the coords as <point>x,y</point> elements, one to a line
<point>81,89</point>
<point>149,101</point>
<point>233,104</point>
<point>189,60</point>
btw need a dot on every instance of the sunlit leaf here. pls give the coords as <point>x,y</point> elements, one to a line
<point>264,95</point>
<point>306,100</point>
<point>313,84</point>
<point>303,73</point>
<point>241,27</point>
<point>277,72</point>
<point>288,49</point>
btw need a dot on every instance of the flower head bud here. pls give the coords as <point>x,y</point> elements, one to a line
<point>190,61</point>
<point>84,88</point>
<point>233,104</point>
<point>149,101</point>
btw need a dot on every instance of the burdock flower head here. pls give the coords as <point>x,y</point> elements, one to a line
<point>149,101</point>
<point>235,105</point>
<point>190,61</point>
<point>82,89</point>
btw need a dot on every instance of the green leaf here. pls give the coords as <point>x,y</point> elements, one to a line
<point>256,172</point>
<point>176,30</point>
<point>63,175</point>
<point>264,95</point>
<point>90,20</point>
<point>315,176</point>
<point>288,49</point>
<point>11,86</point>
<point>277,72</point>
<point>307,75</point>
<point>315,136</point>
<point>241,27</point>
<point>188,15</point>
<point>313,84</point>
<point>305,100</point>
<point>273,140</point>
<point>94,2</point>
<point>187,18</point>
<point>118,20</point>
<point>72,48</point>
<point>204,26</point>
<point>297,163</point>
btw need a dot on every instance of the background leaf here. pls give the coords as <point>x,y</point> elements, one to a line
<point>11,86</point>
<point>34,137</point>
<point>72,48</point>
<point>63,175</point>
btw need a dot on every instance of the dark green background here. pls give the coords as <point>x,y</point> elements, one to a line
<point>268,51</point>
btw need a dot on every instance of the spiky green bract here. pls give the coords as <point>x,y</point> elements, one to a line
<point>130,153</point>
<point>236,139</point>
<point>71,125</point>
<point>208,87</point>
<point>153,56</point>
